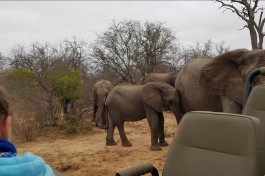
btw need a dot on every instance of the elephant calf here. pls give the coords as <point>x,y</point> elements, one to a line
<point>136,102</point>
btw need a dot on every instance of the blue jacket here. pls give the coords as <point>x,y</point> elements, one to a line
<point>24,165</point>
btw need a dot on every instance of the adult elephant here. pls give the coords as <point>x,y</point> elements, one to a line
<point>100,92</point>
<point>216,84</point>
<point>168,77</point>
<point>136,102</point>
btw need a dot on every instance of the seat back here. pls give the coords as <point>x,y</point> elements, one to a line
<point>255,106</point>
<point>210,143</point>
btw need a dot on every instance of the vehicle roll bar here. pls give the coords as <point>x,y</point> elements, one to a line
<point>249,82</point>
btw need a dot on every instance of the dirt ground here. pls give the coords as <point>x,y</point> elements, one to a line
<point>87,154</point>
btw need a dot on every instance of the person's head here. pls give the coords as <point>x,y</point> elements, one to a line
<point>5,115</point>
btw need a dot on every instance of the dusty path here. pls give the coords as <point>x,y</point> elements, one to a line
<point>87,154</point>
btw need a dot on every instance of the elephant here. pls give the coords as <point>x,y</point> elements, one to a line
<point>168,77</point>
<point>217,83</point>
<point>136,102</point>
<point>100,91</point>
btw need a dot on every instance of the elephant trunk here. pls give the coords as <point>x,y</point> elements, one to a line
<point>176,112</point>
<point>101,115</point>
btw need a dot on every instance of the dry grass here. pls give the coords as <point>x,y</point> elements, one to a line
<point>87,154</point>
<point>25,126</point>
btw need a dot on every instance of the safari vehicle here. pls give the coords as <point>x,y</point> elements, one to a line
<point>217,144</point>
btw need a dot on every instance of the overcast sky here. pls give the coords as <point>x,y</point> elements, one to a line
<point>25,22</point>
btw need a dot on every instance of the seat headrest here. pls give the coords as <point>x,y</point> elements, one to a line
<point>221,132</point>
<point>255,105</point>
<point>212,143</point>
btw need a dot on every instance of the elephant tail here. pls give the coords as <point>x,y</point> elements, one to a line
<point>107,117</point>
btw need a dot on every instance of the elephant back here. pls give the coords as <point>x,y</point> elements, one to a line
<point>168,77</point>
<point>125,101</point>
<point>120,93</point>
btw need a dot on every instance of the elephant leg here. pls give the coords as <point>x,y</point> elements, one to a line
<point>231,106</point>
<point>124,140</point>
<point>98,115</point>
<point>161,130</point>
<point>95,107</point>
<point>100,112</point>
<point>109,139</point>
<point>100,118</point>
<point>152,118</point>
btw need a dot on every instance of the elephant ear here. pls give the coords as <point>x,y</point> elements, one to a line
<point>221,76</point>
<point>151,95</point>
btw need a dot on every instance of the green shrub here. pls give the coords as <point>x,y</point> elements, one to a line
<point>70,129</point>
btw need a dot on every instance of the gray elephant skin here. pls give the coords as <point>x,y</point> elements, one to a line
<point>217,84</point>
<point>100,92</point>
<point>136,102</point>
<point>169,77</point>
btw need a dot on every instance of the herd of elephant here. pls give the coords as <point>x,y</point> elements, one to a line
<point>204,84</point>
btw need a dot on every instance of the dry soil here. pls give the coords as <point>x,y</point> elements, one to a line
<point>87,154</point>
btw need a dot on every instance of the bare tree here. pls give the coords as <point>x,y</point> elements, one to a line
<point>247,10</point>
<point>221,48</point>
<point>205,49</point>
<point>118,48</point>
<point>201,50</point>
<point>74,53</point>
<point>159,45</point>
<point>131,49</point>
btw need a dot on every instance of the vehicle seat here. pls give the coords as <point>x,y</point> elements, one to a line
<point>255,106</point>
<point>219,144</point>
<point>210,144</point>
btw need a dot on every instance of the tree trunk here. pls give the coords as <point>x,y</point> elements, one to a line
<point>253,37</point>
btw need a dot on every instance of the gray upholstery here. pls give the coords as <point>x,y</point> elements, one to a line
<point>255,106</point>
<point>214,144</point>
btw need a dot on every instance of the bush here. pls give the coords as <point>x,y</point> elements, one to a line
<point>25,126</point>
<point>70,129</point>
<point>74,124</point>
<point>71,124</point>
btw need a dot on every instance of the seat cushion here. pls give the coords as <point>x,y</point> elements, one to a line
<point>255,106</point>
<point>214,144</point>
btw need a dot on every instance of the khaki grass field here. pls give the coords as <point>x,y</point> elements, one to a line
<point>87,155</point>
